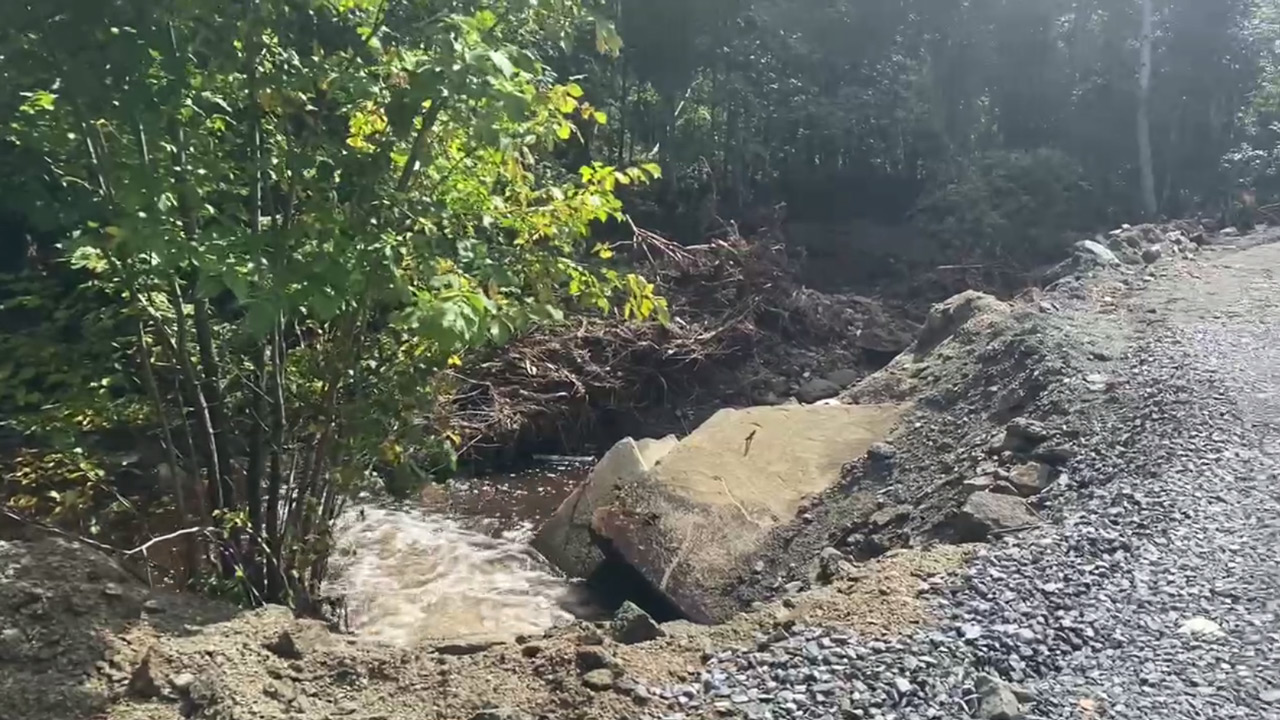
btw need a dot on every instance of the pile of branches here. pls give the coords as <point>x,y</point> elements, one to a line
<point>564,388</point>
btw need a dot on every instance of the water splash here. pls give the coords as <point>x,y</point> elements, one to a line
<point>411,578</point>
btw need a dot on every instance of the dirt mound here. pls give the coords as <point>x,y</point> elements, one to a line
<point>745,332</point>
<point>80,638</point>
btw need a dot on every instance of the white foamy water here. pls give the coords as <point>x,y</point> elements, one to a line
<point>412,578</point>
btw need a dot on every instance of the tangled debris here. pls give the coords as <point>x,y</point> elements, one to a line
<point>744,331</point>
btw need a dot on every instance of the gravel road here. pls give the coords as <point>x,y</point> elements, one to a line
<point>1154,591</point>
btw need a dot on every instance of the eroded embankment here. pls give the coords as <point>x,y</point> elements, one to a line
<point>993,388</point>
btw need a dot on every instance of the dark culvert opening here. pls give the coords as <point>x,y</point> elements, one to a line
<point>615,582</point>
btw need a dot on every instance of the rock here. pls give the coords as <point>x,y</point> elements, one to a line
<point>1202,627</point>
<point>1097,251</point>
<point>531,650</point>
<point>817,390</point>
<point>633,625</point>
<point>565,539</point>
<point>1055,455</point>
<point>470,647</point>
<point>695,524</point>
<point>985,513</point>
<point>284,646</point>
<point>982,483</point>
<point>996,699</point>
<point>947,317</point>
<point>1229,232</point>
<point>281,689</point>
<point>153,606</point>
<point>1031,478</point>
<point>1152,254</point>
<point>142,681</point>
<point>182,682</point>
<point>1200,239</point>
<point>832,565</point>
<point>598,680</point>
<point>1270,696</point>
<point>592,658</point>
<point>112,590</point>
<point>881,452</point>
<point>844,378</point>
<point>1002,487</point>
<point>1025,433</point>
<point>502,713</point>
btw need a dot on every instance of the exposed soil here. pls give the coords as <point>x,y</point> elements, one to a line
<point>82,639</point>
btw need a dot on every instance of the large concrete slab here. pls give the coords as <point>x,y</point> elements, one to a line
<point>565,539</point>
<point>705,510</point>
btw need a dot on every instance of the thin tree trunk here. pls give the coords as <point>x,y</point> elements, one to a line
<point>1149,204</point>
<point>211,384</point>
<point>190,557</point>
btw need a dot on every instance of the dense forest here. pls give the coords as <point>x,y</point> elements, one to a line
<point>264,235</point>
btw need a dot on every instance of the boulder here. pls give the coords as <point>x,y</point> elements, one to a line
<point>1152,254</point>
<point>986,512</point>
<point>703,515</point>
<point>565,539</point>
<point>816,390</point>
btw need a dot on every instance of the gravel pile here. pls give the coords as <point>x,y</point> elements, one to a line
<point>1153,592</point>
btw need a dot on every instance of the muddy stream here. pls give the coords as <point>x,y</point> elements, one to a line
<point>457,564</point>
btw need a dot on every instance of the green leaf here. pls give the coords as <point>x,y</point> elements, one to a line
<point>504,64</point>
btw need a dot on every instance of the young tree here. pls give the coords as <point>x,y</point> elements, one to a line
<point>308,209</point>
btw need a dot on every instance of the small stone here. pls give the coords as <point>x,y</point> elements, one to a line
<point>598,680</point>
<point>632,625</point>
<point>1055,455</point>
<point>284,646</point>
<point>501,713</point>
<point>112,590</point>
<point>1031,478</point>
<point>182,682</point>
<point>1152,254</point>
<point>902,685</point>
<point>979,484</point>
<point>460,649</point>
<point>996,699</point>
<point>153,606</point>
<point>832,565</point>
<point>589,658</point>
<point>1270,696</point>
<point>1229,232</point>
<point>1202,627</point>
<point>881,451</point>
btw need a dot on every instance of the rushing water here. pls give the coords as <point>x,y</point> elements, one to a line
<point>458,566</point>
